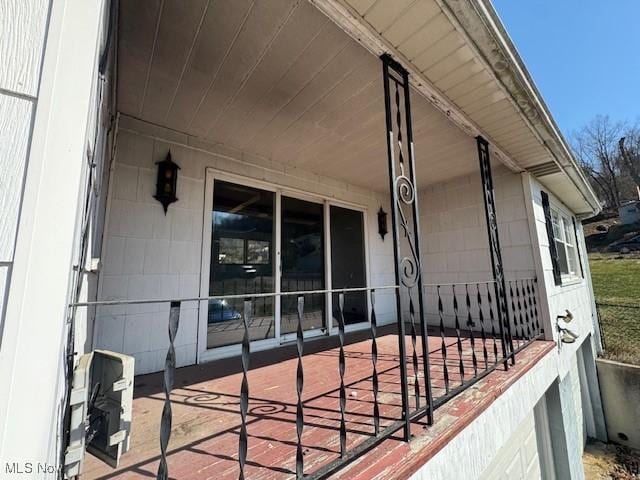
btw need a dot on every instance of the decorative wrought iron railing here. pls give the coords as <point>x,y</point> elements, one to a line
<point>523,313</point>
<point>466,312</point>
<point>464,342</point>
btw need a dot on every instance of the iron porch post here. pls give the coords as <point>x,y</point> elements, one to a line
<point>406,231</point>
<point>396,249</point>
<point>416,230</point>
<point>494,249</point>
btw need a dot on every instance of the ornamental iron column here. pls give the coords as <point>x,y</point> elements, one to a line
<point>494,249</point>
<point>406,237</point>
<point>169,374</point>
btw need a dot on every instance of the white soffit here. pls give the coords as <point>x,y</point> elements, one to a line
<point>443,43</point>
<point>280,80</point>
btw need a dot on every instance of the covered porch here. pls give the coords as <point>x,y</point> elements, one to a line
<point>342,259</point>
<point>207,423</point>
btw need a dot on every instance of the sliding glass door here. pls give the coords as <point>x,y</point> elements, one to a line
<point>348,268</point>
<point>303,264</point>
<point>262,241</point>
<point>242,240</point>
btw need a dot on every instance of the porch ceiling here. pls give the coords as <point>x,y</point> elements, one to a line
<point>426,35</point>
<point>277,79</point>
<point>461,58</point>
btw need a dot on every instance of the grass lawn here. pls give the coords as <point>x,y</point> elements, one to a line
<point>616,281</point>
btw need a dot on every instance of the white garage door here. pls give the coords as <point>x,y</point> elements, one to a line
<point>577,398</point>
<point>518,458</point>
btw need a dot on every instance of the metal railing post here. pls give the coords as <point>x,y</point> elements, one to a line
<point>506,339</point>
<point>396,250</point>
<point>244,388</point>
<point>416,228</point>
<point>374,365</point>
<point>299,387</point>
<point>169,372</point>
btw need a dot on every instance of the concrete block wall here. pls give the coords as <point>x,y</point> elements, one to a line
<point>580,425</point>
<point>479,445</point>
<point>454,243</point>
<point>454,232</point>
<point>147,254</point>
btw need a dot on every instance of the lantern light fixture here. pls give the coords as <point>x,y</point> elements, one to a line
<point>167,182</point>
<point>382,223</point>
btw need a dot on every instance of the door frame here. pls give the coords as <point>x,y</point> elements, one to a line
<point>365,232</point>
<point>205,354</point>
<point>306,197</point>
<point>211,175</point>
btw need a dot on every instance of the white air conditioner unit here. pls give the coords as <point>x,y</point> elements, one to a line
<point>101,401</point>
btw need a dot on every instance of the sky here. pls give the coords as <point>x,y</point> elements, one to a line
<point>584,55</point>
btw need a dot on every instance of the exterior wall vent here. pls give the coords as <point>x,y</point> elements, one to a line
<point>548,168</point>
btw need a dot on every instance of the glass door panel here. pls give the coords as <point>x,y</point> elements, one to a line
<point>242,245</point>
<point>302,263</point>
<point>348,263</point>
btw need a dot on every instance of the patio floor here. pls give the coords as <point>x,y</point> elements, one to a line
<point>206,420</point>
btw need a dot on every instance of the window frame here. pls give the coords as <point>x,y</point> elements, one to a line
<point>569,246</point>
<point>558,220</point>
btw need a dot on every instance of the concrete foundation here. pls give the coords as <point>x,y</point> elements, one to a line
<point>620,390</point>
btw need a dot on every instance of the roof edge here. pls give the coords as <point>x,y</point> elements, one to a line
<point>482,25</point>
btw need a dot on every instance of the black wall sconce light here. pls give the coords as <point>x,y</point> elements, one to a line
<point>382,223</point>
<point>167,182</point>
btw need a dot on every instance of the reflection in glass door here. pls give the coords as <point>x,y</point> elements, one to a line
<point>302,263</point>
<point>348,268</point>
<point>242,245</point>
<point>246,253</point>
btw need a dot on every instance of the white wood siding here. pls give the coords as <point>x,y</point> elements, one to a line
<point>574,295</point>
<point>22,36</point>
<point>34,331</point>
<point>15,131</point>
<point>22,26</point>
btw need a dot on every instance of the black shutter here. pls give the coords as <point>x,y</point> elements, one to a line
<point>552,243</point>
<point>575,234</point>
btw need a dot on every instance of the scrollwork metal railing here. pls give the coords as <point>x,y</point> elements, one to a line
<point>462,353</point>
<point>468,350</point>
<point>525,325</point>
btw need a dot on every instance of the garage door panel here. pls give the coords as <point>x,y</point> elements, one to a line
<point>514,469</point>
<point>518,458</point>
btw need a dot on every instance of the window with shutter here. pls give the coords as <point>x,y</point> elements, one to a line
<point>557,276</point>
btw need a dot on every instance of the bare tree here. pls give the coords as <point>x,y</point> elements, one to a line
<point>630,153</point>
<point>598,148</point>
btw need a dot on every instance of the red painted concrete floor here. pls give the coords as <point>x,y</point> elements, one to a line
<point>206,420</point>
